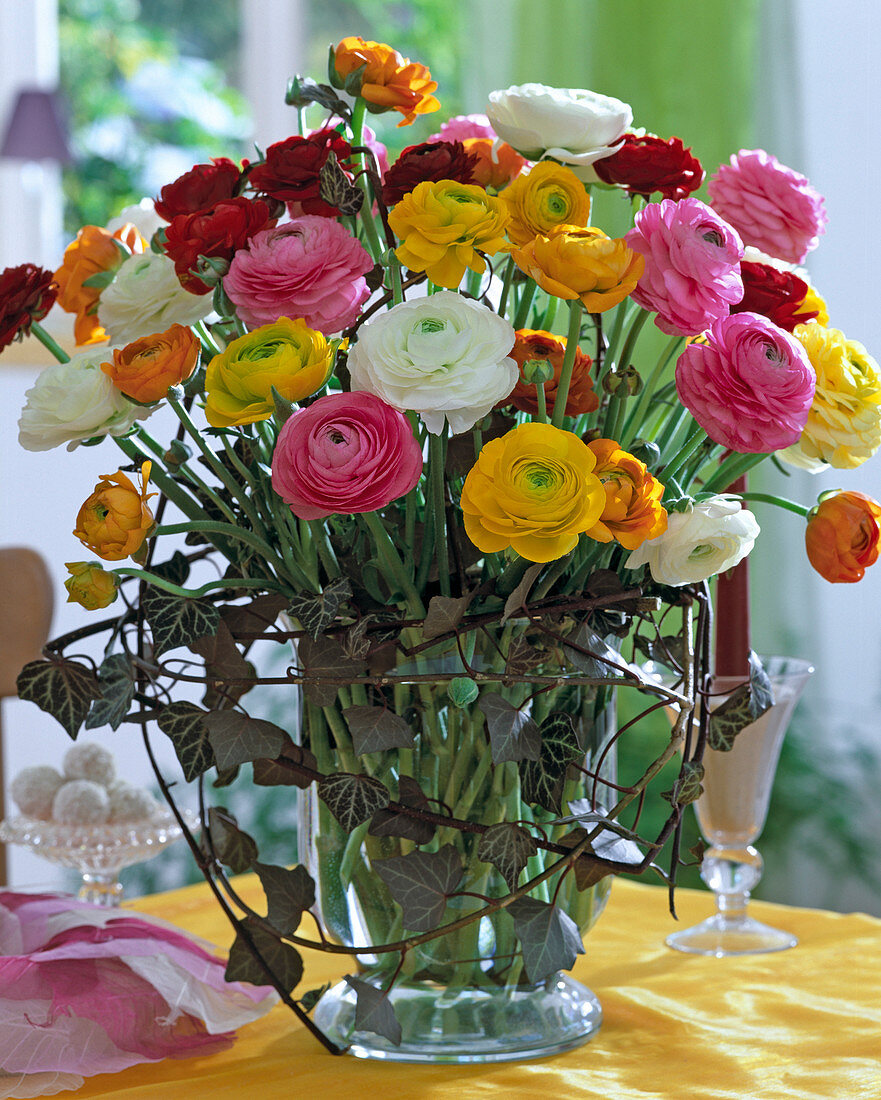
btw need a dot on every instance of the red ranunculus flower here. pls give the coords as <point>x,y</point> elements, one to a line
<point>646,164</point>
<point>27,293</point>
<point>291,171</point>
<point>777,295</point>
<point>432,161</point>
<point>200,188</point>
<point>219,231</point>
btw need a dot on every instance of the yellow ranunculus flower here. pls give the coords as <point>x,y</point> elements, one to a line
<point>814,301</point>
<point>550,194</point>
<point>444,226</point>
<point>286,355</point>
<point>115,520</point>
<point>532,490</point>
<point>573,262</point>
<point>90,585</point>
<point>844,424</point>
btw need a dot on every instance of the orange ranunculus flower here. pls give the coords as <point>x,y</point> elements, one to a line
<point>389,82</point>
<point>443,227</point>
<point>538,344</point>
<point>94,252</point>
<point>497,162</point>
<point>89,585</point>
<point>115,520</point>
<point>144,369</point>
<point>633,511</point>
<point>546,196</point>
<point>573,262</point>
<point>843,536</point>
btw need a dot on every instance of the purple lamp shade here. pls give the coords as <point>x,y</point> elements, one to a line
<point>35,130</point>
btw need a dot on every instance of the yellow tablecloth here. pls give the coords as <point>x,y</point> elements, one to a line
<point>800,1025</point>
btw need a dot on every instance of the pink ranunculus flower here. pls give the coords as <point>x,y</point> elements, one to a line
<point>346,453</point>
<point>692,265</point>
<point>750,387</point>
<point>310,267</point>
<point>462,127</point>
<point>771,206</point>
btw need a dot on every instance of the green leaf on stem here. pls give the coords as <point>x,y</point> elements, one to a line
<point>280,959</point>
<point>65,689</point>
<point>177,568</point>
<point>302,91</point>
<point>325,657</point>
<point>507,847</point>
<point>353,799</point>
<point>117,679</point>
<point>312,996</point>
<point>421,883</point>
<point>255,617</point>
<point>184,724</point>
<point>687,787</point>
<point>373,1011</point>
<point>444,615</point>
<point>513,735</point>
<point>232,846</point>
<point>375,729</point>
<point>279,773</point>
<point>517,599</point>
<point>176,621</point>
<point>316,613</point>
<point>224,665</point>
<point>549,938</point>
<point>392,822</point>
<point>337,189</point>
<point>543,779</point>
<point>742,707</point>
<point>238,738</point>
<point>289,891</point>
<point>593,656</point>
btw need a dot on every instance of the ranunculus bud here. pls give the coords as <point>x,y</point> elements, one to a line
<point>115,519</point>
<point>90,585</point>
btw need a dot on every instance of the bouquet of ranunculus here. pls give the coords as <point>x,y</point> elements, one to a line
<point>411,420</point>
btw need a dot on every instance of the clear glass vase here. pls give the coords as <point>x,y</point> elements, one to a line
<point>462,997</point>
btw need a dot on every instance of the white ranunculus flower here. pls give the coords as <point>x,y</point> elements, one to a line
<point>713,536</point>
<point>146,297</point>
<point>571,125</point>
<point>443,357</point>
<point>141,215</point>
<point>74,401</point>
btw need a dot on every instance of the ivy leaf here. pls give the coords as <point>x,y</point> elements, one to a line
<point>420,883</point>
<point>513,735</point>
<point>543,779</point>
<point>742,707</point>
<point>549,938</point>
<point>325,657</point>
<point>507,847</point>
<point>517,598</point>
<point>255,617</point>
<point>601,662</point>
<point>117,679</point>
<point>687,787</point>
<point>523,656</point>
<point>184,724</point>
<point>232,846</point>
<point>283,960</point>
<point>65,689</point>
<point>374,729</point>
<point>374,1012</point>
<point>175,621</point>
<point>667,650</point>
<point>273,773</point>
<point>394,823</point>
<point>312,996</point>
<point>316,613</point>
<point>224,663</point>
<point>237,738</point>
<point>607,845</point>
<point>289,892</point>
<point>302,91</point>
<point>352,799</point>
<point>444,615</point>
<point>176,569</point>
<point>337,189</point>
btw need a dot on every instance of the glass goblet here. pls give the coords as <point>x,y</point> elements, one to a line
<point>731,813</point>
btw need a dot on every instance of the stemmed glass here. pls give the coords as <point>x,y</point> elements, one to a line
<point>731,813</point>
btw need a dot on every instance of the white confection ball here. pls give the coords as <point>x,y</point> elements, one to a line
<point>33,791</point>
<point>130,804</point>
<point>81,802</point>
<point>88,760</point>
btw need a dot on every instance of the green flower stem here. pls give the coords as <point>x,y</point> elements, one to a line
<point>291,549</point>
<point>203,590</point>
<point>781,502</point>
<point>542,416</point>
<point>160,478</point>
<point>614,410</point>
<point>207,337</point>
<point>36,329</point>
<point>228,530</point>
<point>550,314</point>
<point>617,328</point>
<point>394,266</point>
<point>367,220</point>
<point>472,283</point>
<point>632,336</point>
<point>526,296</point>
<point>324,548</point>
<point>695,438</point>
<point>212,460</point>
<point>392,560</point>
<point>575,309</point>
<point>731,469</point>
<point>437,459</point>
<point>672,434</point>
<point>506,286</point>
<point>634,420</point>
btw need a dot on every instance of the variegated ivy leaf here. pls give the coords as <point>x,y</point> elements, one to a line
<point>237,738</point>
<point>282,961</point>
<point>549,938</point>
<point>420,883</point>
<point>65,689</point>
<point>687,787</point>
<point>184,724</point>
<point>316,613</point>
<point>444,615</point>
<point>741,708</point>
<point>507,847</point>
<point>232,846</point>
<point>175,621</point>
<point>392,822</point>
<point>290,891</point>
<point>335,187</point>
<point>324,657</point>
<point>353,799</point>
<point>592,655</point>
<point>374,1012</point>
<point>512,733</point>
<point>543,779</point>
<point>375,729</point>
<point>117,679</point>
<point>254,617</point>
<point>274,773</point>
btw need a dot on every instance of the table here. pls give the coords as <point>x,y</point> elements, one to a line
<point>800,1025</point>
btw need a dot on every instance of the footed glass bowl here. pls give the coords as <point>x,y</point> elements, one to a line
<point>98,852</point>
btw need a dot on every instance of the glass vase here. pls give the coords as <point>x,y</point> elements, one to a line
<point>465,996</point>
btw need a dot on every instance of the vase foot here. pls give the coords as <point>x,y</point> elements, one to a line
<point>720,937</point>
<point>469,1025</point>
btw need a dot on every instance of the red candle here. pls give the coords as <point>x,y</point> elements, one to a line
<point>732,614</point>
